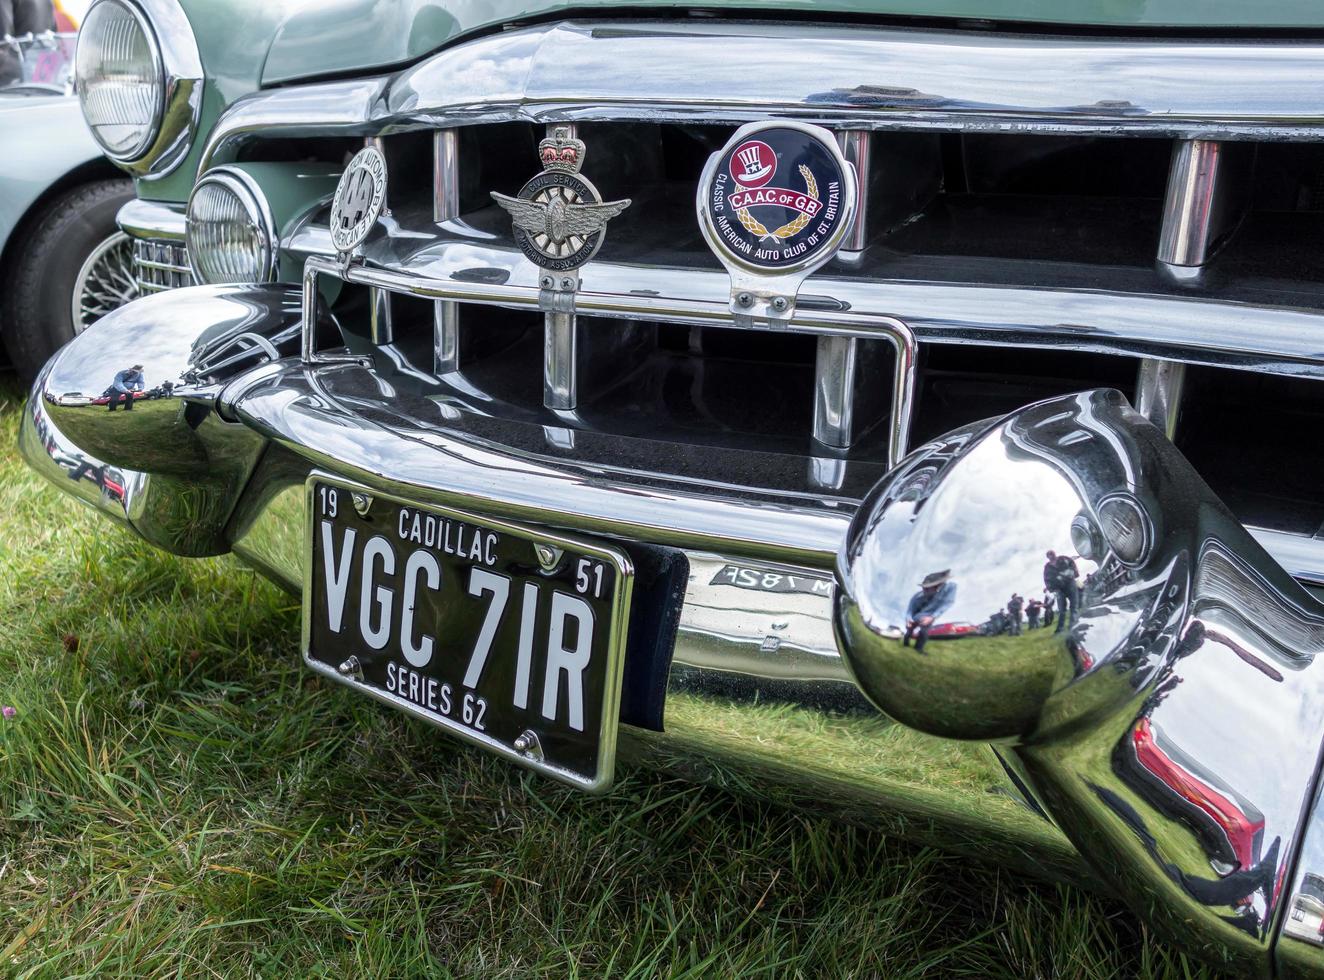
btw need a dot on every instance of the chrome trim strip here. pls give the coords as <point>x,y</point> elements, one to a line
<point>163,266</point>
<point>1192,328</point>
<point>293,410</point>
<point>1302,556</point>
<point>850,77</point>
<point>152,220</point>
<point>649,305</point>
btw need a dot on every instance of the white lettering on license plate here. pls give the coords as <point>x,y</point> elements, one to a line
<point>383,615</point>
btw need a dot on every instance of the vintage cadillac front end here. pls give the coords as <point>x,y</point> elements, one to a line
<point>1072,301</point>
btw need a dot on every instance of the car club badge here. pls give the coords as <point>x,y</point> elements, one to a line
<point>360,200</point>
<point>560,218</point>
<point>774,204</point>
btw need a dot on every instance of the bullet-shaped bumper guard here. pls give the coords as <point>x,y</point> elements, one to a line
<point>1171,729</point>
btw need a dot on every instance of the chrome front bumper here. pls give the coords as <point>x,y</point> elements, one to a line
<point>759,696</point>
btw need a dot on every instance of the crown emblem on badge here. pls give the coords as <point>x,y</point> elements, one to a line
<point>561,151</point>
<point>559,217</point>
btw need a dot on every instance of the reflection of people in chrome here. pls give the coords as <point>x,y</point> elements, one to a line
<point>936,594</point>
<point>125,384</point>
<point>1014,606</point>
<point>1032,610</point>
<point>1062,578</point>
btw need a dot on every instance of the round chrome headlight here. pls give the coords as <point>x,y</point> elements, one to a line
<point>120,79</point>
<point>139,80</point>
<point>230,231</point>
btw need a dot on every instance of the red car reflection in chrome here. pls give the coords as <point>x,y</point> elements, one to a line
<point>1243,832</point>
<point>953,631</point>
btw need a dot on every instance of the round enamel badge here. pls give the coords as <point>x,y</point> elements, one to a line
<point>360,199</point>
<point>778,198</point>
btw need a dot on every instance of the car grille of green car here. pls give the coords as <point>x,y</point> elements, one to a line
<point>161,265</point>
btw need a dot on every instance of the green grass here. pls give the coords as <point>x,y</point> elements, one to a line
<point>179,797</point>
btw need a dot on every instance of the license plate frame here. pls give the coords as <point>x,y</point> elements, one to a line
<point>616,600</point>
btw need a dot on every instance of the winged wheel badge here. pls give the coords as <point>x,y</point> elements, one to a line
<point>559,216</point>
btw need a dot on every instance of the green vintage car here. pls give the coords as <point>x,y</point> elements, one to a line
<point>640,378</point>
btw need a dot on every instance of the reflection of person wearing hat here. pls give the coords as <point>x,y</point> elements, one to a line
<point>936,594</point>
<point>124,385</point>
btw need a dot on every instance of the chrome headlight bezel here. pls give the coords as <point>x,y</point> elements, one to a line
<point>254,201</point>
<point>179,68</point>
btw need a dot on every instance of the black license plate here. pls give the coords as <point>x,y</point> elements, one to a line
<point>509,637</point>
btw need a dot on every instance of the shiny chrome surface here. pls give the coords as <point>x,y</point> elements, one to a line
<point>1185,634</point>
<point>152,220</point>
<point>509,291</point>
<point>292,409</point>
<point>1159,386</point>
<point>1277,333</point>
<point>1301,930</point>
<point>184,85</point>
<point>446,207</point>
<point>745,713</point>
<point>184,466</point>
<point>381,328</point>
<point>851,78</point>
<point>559,379</point>
<point>1208,192</point>
<point>856,147</point>
<point>1153,724</point>
<point>160,266</point>
<point>1203,201</point>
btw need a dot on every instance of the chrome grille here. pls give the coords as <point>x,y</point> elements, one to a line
<point>159,266</point>
<point>1010,293</point>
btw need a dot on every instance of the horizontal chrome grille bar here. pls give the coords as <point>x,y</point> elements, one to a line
<point>669,307</point>
<point>851,77</point>
<point>159,266</point>
<point>1185,327</point>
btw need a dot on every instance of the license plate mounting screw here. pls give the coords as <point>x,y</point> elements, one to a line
<point>549,556</point>
<point>362,501</point>
<point>527,745</point>
<point>351,668</point>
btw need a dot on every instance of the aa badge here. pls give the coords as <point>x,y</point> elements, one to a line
<point>560,218</point>
<point>360,200</point>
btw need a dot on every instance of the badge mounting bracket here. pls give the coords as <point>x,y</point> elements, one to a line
<point>764,296</point>
<point>556,291</point>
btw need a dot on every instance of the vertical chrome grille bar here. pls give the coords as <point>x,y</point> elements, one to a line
<point>558,378</point>
<point>379,300</point>
<point>855,146</point>
<point>560,385</point>
<point>1159,387</point>
<point>445,207</point>
<point>1202,204</point>
<point>380,326</point>
<point>834,391</point>
<point>834,365</point>
<point>1207,195</point>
